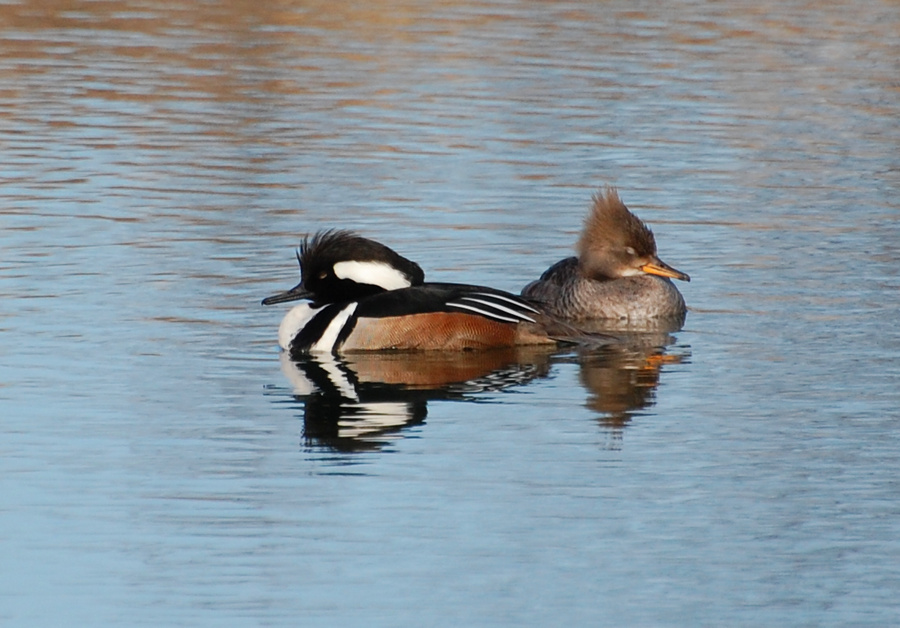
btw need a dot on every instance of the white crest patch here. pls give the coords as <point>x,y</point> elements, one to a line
<point>374,273</point>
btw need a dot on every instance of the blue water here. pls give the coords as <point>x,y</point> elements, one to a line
<point>159,466</point>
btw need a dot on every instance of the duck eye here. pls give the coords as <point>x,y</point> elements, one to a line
<point>630,250</point>
<point>323,274</point>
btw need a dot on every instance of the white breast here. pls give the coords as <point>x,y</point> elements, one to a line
<point>295,320</point>
<point>299,316</point>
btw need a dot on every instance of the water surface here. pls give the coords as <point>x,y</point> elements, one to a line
<point>160,466</point>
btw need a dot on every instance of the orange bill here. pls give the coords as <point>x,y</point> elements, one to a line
<point>658,267</point>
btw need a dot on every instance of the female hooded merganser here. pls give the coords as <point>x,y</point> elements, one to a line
<point>365,296</point>
<point>617,274</point>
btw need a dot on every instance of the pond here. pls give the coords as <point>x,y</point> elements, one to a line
<point>162,463</point>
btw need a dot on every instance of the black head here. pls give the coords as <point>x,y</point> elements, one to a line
<point>337,266</point>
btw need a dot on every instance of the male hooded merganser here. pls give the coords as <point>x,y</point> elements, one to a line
<point>365,296</point>
<point>617,274</point>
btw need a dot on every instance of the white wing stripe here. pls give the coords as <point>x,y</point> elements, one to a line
<point>499,307</point>
<point>516,302</point>
<point>488,314</point>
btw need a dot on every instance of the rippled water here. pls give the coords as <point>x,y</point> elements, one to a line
<point>160,465</point>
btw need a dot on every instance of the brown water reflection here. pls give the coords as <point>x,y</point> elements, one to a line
<point>622,381</point>
<point>241,100</point>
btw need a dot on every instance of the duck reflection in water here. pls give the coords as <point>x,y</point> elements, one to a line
<point>364,401</point>
<point>622,381</point>
<point>361,401</point>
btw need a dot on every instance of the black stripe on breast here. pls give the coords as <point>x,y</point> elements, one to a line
<point>313,331</point>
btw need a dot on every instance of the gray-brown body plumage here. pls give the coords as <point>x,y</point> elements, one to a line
<point>617,274</point>
<point>564,292</point>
